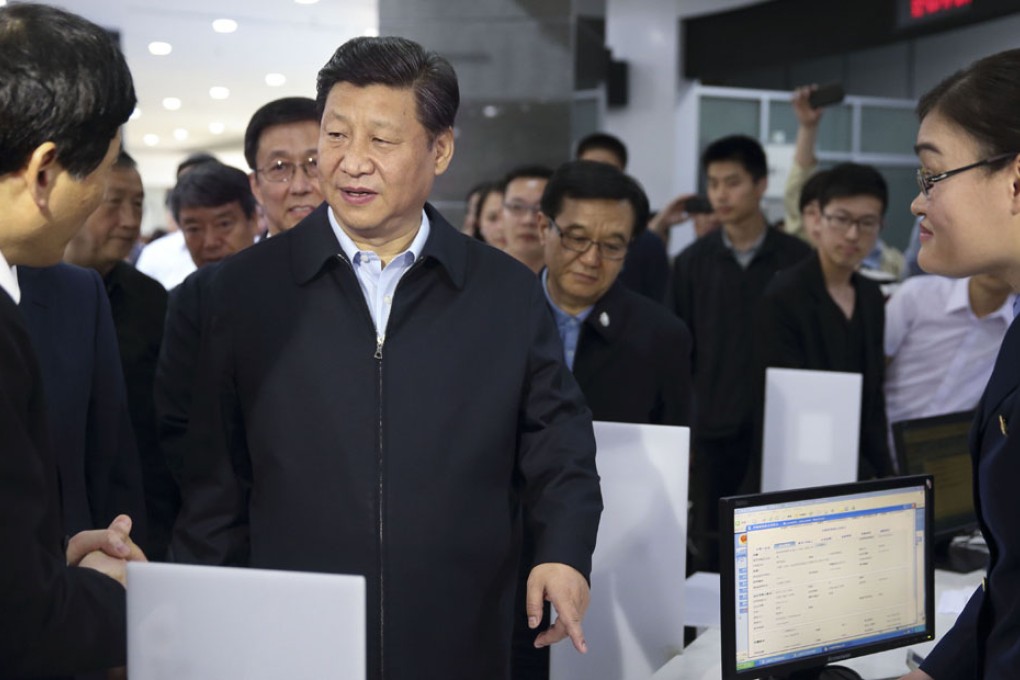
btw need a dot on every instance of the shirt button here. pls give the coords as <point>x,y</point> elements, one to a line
<point>388,300</point>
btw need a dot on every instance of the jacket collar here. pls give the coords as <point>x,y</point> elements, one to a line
<point>313,244</point>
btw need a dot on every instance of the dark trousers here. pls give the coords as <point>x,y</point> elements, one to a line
<point>720,466</point>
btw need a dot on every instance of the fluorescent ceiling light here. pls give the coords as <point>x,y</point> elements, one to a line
<point>219,92</point>
<point>224,25</point>
<point>151,139</point>
<point>160,49</point>
<point>217,128</point>
<point>275,79</point>
<point>180,134</point>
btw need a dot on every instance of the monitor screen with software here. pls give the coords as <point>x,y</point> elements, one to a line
<point>939,446</point>
<point>813,576</point>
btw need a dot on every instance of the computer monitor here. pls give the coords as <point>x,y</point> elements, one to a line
<point>813,576</point>
<point>939,446</point>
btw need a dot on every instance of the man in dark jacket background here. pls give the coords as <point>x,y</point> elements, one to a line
<point>381,395</point>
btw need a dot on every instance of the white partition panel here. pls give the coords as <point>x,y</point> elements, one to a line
<point>812,428</point>
<point>198,623</point>
<point>635,623</point>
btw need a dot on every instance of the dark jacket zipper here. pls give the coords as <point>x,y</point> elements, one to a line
<point>380,340</point>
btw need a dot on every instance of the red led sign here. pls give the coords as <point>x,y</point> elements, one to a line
<point>924,9</point>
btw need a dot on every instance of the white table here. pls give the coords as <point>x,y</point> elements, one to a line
<point>701,659</point>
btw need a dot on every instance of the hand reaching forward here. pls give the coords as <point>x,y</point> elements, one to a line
<point>567,590</point>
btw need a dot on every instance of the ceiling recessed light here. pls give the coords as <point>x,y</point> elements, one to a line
<point>180,134</point>
<point>306,2</point>
<point>371,32</point>
<point>136,114</point>
<point>160,49</point>
<point>224,25</point>
<point>217,128</point>
<point>490,111</point>
<point>171,103</point>
<point>275,79</point>
<point>150,139</point>
<point>219,92</point>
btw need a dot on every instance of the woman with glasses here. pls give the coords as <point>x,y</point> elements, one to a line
<point>969,204</point>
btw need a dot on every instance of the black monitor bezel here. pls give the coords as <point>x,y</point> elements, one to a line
<point>727,576</point>
<point>960,524</point>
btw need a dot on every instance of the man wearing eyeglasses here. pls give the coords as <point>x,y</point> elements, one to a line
<point>524,187</point>
<point>822,315</point>
<point>281,147</point>
<point>629,355</point>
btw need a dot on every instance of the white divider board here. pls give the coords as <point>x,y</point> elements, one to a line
<point>812,428</point>
<point>197,623</point>
<point>635,622</point>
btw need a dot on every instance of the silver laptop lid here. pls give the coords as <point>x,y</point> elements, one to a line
<point>218,623</point>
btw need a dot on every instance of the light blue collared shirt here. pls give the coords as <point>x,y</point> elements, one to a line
<point>569,326</point>
<point>378,283</point>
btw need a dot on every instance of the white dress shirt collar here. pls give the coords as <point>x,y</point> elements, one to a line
<point>9,279</point>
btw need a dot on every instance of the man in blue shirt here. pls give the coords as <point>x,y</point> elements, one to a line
<point>393,424</point>
<point>630,356</point>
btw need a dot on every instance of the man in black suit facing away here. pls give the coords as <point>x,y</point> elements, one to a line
<point>380,394</point>
<point>64,92</point>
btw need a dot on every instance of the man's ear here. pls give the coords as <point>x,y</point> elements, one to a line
<point>41,174</point>
<point>442,147</point>
<point>1014,176</point>
<point>256,190</point>
<point>543,229</point>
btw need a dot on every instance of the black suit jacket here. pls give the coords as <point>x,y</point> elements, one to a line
<point>983,642</point>
<point>790,332</point>
<point>646,269</point>
<point>54,620</point>
<point>633,361</point>
<point>317,447</point>
<point>138,304</point>
<point>68,316</point>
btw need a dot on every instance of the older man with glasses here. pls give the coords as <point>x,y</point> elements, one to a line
<point>630,355</point>
<point>281,147</point>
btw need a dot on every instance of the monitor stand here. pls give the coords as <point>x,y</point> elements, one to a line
<point>822,673</point>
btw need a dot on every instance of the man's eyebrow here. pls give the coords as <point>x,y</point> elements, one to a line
<point>926,146</point>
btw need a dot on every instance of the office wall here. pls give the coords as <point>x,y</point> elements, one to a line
<point>663,155</point>
<point>514,62</point>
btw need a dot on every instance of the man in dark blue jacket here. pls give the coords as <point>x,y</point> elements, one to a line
<point>65,90</point>
<point>380,395</point>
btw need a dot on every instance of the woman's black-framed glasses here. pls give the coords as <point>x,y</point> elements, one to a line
<point>925,181</point>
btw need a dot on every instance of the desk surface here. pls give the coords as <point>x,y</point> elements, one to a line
<point>700,660</point>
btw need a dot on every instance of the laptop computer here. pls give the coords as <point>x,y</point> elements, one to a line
<point>203,623</point>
